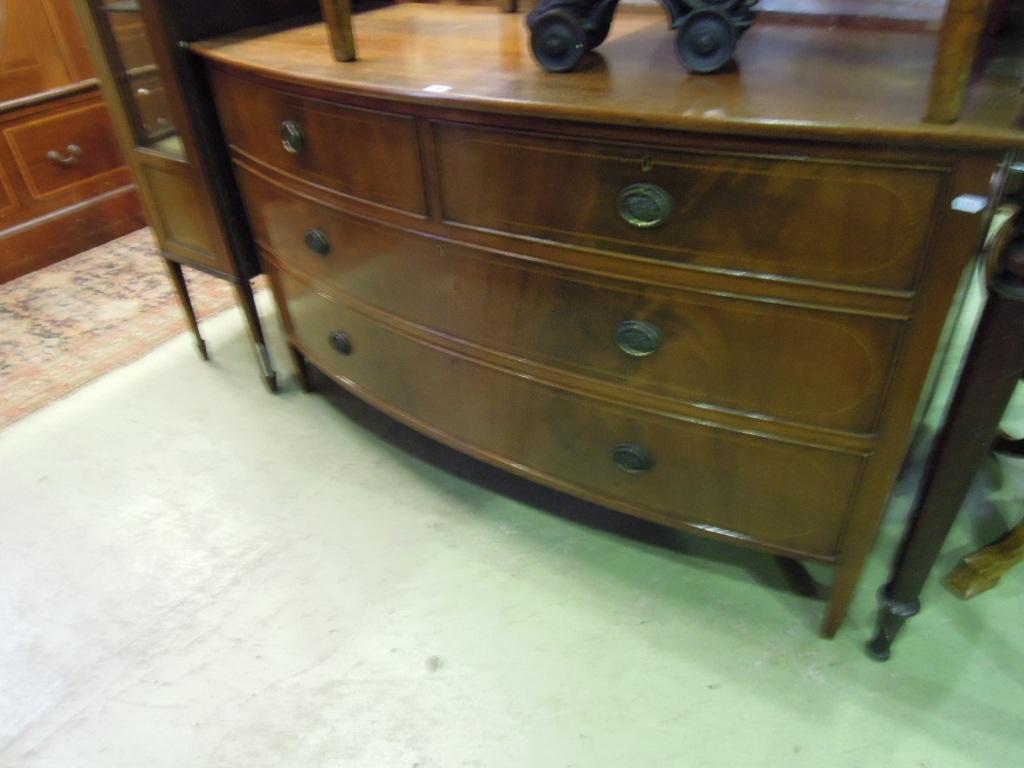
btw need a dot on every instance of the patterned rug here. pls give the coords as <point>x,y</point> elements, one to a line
<point>67,324</point>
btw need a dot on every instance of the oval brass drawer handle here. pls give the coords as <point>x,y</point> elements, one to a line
<point>632,458</point>
<point>645,206</point>
<point>638,338</point>
<point>317,242</point>
<point>340,342</point>
<point>74,152</point>
<point>292,138</point>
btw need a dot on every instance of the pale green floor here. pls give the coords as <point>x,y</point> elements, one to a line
<point>196,573</point>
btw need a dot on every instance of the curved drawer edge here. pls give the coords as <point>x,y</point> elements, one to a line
<point>544,479</point>
<point>658,404</point>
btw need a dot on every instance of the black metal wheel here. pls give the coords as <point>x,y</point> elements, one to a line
<point>706,41</point>
<point>598,35</point>
<point>558,41</point>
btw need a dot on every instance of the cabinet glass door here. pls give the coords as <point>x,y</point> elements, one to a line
<point>132,59</point>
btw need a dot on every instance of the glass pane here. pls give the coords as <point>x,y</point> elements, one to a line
<point>140,77</point>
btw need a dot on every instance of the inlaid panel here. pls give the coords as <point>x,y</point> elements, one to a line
<point>361,153</point>
<point>64,150</point>
<point>751,356</point>
<point>805,218</point>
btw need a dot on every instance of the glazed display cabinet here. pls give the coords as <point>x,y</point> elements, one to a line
<point>172,144</point>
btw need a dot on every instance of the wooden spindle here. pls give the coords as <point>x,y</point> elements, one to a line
<point>961,32</point>
<point>338,16</point>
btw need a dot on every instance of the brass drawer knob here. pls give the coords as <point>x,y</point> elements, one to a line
<point>637,338</point>
<point>645,206</point>
<point>632,458</point>
<point>292,138</point>
<point>340,342</point>
<point>317,242</point>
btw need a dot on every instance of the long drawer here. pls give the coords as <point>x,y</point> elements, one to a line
<point>843,221</point>
<point>70,151</point>
<point>362,153</point>
<point>727,352</point>
<point>783,495</point>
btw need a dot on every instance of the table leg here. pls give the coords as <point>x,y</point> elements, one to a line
<point>181,288</point>
<point>994,363</point>
<point>243,293</point>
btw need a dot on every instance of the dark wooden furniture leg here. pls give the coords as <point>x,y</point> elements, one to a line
<point>243,292</point>
<point>181,287</point>
<point>982,570</point>
<point>994,364</point>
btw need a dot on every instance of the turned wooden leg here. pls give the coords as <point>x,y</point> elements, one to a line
<point>994,363</point>
<point>982,570</point>
<point>243,292</point>
<point>181,288</point>
<point>959,37</point>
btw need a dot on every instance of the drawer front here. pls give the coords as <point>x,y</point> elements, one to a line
<point>810,366</point>
<point>784,495</point>
<point>85,147</point>
<point>364,154</point>
<point>816,220</point>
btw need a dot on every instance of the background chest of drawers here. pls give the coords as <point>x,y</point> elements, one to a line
<point>724,333</point>
<point>64,184</point>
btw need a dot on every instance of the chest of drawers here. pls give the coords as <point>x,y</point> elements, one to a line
<point>716,323</point>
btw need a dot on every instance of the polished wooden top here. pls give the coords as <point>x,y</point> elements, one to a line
<point>841,84</point>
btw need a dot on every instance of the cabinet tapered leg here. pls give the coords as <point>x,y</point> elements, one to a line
<point>181,288</point>
<point>243,293</point>
<point>994,363</point>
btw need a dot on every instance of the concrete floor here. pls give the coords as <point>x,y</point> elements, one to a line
<point>196,573</point>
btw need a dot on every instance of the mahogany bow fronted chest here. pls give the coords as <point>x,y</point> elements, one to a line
<point>708,302</point>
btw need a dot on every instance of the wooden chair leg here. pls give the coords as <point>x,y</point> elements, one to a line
<point>181,288</point>
<point>982,570</point>
<point>243,292</point>
<point>994,363</point>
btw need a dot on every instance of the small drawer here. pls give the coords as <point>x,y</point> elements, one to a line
<point>360,153</point>
<point>59,152</point>
<point>786,496</point>
<point>810,366</point>
<point>810,219</point>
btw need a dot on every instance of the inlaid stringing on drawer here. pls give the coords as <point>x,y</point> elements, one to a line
<point>745,355</point>
<point>362,153</point>
<point>812,219</point>
<point>59,152</point>
<point>780,494</point>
